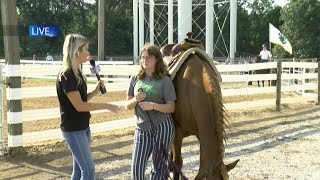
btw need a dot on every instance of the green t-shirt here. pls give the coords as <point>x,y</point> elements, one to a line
<point>157,91</point>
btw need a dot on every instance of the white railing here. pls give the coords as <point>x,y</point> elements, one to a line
<point>43,62</point>
<point>124,71</point>
<point>121,74</point>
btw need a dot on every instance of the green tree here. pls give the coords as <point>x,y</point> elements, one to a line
<point>259,29</point>
<point>243,35</point>
<point>72,16</point>
<point>279,52</point>
<point>118,29</point>
<point>75,16</point>
<point>33,12</point>
<point>253,24</point>
<point>301,26</point>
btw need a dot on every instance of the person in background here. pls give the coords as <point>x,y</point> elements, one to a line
<point>75,109</point>
<point>34,58</point>
<point>49,57</point>
<point>265,55</point>
<point>152,96</point>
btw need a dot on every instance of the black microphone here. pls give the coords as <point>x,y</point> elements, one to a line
<point>140,90</point>
<point>102,87</point>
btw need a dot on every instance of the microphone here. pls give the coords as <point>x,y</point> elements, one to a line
<point>95,71</point>
<point>140,90</point>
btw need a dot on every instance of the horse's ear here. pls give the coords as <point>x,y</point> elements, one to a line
<point>232,165</point>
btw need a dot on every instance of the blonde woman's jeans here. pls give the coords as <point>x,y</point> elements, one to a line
<point>79,145</point>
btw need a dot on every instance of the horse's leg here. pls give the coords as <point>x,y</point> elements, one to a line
<point>207,134</point>
<point>176,153</point>
<point>250,82</point>
<point>258,84</point>
<point>262,83</point>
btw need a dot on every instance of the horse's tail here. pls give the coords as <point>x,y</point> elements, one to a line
<point>218,115</point>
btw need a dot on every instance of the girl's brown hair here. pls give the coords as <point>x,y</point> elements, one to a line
<point>160,69</point>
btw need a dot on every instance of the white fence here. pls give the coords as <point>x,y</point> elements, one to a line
<point>60,62</point>
<point>119,74</point>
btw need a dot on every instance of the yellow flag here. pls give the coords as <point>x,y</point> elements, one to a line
<point>276,37</point>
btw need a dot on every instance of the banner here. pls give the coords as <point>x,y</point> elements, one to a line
<point>276,37</point>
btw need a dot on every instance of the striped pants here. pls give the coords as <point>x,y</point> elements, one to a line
<point>144,141</point>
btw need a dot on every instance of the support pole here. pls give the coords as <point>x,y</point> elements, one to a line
<point>101,22</point>
<point>233,29</point>
<point>141,24</point>
<point>170,21</point>
<point>209,27</point>
<point>151,20</point>
<point>13,79</point>
<point>135,32</point>
<point>184,18</point>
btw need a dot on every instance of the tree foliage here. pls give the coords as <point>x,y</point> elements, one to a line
<point>253,25</point>
<point>74,16</point>
<point>118,29</point>
<point>298,21</point>
<point>301,25</point>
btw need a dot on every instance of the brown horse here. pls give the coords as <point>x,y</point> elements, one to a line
<point>200,111</point>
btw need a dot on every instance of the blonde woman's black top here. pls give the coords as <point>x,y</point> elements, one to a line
<point>71,119</point>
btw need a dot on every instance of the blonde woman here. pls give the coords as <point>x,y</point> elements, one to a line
<point>74,106</point>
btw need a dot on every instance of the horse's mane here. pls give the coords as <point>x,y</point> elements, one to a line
<point>219,116</point>
<point>219,109</point>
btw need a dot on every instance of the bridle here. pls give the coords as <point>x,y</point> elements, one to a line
<point>209,171</point>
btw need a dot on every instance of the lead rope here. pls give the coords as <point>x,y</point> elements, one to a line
<point>160,155</point>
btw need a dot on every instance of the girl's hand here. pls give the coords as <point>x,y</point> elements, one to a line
<point>140,96</point>
<point>116,108</point>
<point>146,106</point>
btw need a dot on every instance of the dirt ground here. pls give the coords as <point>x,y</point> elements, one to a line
<point>271,145</point>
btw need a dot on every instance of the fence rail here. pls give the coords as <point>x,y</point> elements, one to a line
<point>120,74</point>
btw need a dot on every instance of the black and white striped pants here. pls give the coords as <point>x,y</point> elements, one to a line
<point>143,145</point>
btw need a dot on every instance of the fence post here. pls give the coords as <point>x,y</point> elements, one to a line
<point>1,116</point>
<point>318,83</point>
<point>101,24</point>
<point>279,71</point>
<point>13,75</point>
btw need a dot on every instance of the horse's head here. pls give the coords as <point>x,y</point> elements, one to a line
<point>258,59</point>
<point>219,172</point>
